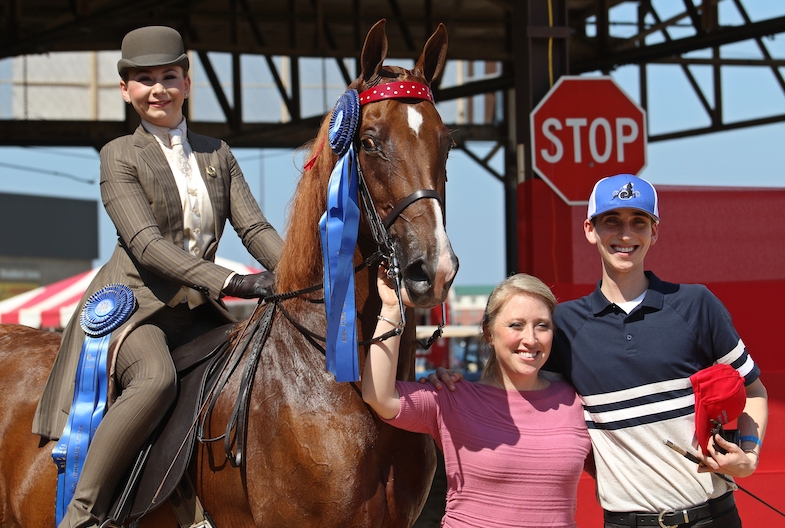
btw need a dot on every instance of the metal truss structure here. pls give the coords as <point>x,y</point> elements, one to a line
<point>528,43</point>
<point>480,30</point>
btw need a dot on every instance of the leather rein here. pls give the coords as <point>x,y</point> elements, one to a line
<point>257,329</point>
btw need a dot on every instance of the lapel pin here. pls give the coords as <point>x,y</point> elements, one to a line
<point>211,171</point>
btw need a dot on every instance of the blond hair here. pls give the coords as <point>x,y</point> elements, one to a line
<point>518,284</point>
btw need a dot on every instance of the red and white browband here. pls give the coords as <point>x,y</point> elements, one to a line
<point>396,90</point>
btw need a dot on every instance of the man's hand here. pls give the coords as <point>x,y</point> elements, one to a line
<point>449,377</point>
<point>735,462</point>
<point>251,286</point>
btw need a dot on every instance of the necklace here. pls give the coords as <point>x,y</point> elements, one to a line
<point>497,382</point>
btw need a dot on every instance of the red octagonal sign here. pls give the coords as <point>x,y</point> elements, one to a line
<point>586,128</point>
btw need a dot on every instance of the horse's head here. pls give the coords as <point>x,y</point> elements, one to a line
<point>403,148</point>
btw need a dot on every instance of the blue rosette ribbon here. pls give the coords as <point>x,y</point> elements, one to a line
<point>344,122</point>
<point>338,228</point>
<point>105,311</point>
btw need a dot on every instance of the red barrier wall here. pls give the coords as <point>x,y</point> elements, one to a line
<point>732,240</point>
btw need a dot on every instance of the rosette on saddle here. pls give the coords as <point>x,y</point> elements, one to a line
<point>338,228</point>
<point>105,311</point>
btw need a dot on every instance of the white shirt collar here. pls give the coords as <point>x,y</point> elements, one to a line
<point>162,133</point>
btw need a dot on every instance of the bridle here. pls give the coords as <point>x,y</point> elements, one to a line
<point>380,228</point>
<point>381,235</point>
<point>257,329</point>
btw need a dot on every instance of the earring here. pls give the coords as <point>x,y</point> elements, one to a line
<point>186,96</point>
<point>127,101</point>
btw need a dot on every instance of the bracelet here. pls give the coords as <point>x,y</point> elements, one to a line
<point>399,324</point>
<point>752,439</point>
<point>757,455</point>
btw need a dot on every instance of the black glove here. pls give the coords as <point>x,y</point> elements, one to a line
<point>251,286</point>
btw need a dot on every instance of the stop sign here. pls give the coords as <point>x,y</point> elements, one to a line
<point>586,128</point>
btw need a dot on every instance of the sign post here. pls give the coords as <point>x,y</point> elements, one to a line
<point>586,128</point>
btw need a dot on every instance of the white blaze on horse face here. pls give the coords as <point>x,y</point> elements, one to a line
<point>415,119</point>
<point>445,270</point>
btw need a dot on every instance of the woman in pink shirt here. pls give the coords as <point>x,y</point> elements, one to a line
<point>514,443</point>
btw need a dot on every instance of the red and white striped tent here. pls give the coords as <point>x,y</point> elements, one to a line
<point>51,306</point>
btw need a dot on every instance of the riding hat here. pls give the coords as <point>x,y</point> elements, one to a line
<point>152,46</point>
<point>621,191</point>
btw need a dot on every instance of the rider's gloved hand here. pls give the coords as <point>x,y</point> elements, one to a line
<point>250,286</point>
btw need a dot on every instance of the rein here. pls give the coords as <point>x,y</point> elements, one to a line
<point>258,331</point>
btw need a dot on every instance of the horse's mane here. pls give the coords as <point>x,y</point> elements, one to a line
<point>301,259</point>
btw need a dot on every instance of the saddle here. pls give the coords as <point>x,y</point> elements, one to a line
<point>161,464</point>
<point>203,368</point>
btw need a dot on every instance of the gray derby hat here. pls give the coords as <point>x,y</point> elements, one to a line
<point>152,46</point>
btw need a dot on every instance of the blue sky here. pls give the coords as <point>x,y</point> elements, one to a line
<point>746,157</point>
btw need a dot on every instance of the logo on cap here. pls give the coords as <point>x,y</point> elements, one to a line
<point>626,192</point>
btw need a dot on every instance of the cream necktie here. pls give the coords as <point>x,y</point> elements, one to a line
<point>176,140</point>
<point>192,297</point>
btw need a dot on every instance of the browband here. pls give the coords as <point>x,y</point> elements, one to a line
<point>397,90</point>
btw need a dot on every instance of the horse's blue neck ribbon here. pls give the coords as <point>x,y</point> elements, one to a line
<point>103,312</point>
<point>338,228</point>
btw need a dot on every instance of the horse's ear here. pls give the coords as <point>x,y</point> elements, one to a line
<point>374,50</point>
<point>434,54</point>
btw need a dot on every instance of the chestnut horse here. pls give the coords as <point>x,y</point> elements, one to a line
<point>315,455</point>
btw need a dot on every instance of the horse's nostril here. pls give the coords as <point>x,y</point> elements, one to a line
<point>416,276</point>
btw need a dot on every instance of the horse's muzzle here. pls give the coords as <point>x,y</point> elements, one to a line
<point>428,283</point>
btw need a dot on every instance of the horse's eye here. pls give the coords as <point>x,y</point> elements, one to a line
<point>368,143</point>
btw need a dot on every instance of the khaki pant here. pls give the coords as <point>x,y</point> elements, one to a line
<point>147,382</point>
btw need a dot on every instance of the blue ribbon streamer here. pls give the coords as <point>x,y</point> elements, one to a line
<point>338,228</point>
<point>103,312</point>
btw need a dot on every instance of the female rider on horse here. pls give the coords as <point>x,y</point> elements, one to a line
<point>169,205</point>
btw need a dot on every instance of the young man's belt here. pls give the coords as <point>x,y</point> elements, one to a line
<point>712,508</point>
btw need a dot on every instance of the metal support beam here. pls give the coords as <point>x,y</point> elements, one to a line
<point>687,73</point>
<point>763,49</point>
<point>294,110</point>
<point>62,28</point>
<point>726,35</point>
<point>237,92</point>
<point>539,35</point>
<point>402,24</point>
<point>215,82</point>
<point>482,162</point>
<point>692,11</point>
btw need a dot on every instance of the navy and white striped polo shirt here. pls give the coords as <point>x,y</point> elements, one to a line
<point>632,373</point>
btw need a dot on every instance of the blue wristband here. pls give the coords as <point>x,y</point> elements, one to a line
<point>752,439</point>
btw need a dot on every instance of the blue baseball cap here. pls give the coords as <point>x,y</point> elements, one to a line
<point>623,190</point>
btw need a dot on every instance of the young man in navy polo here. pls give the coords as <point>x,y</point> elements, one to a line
<point>630,348</point>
